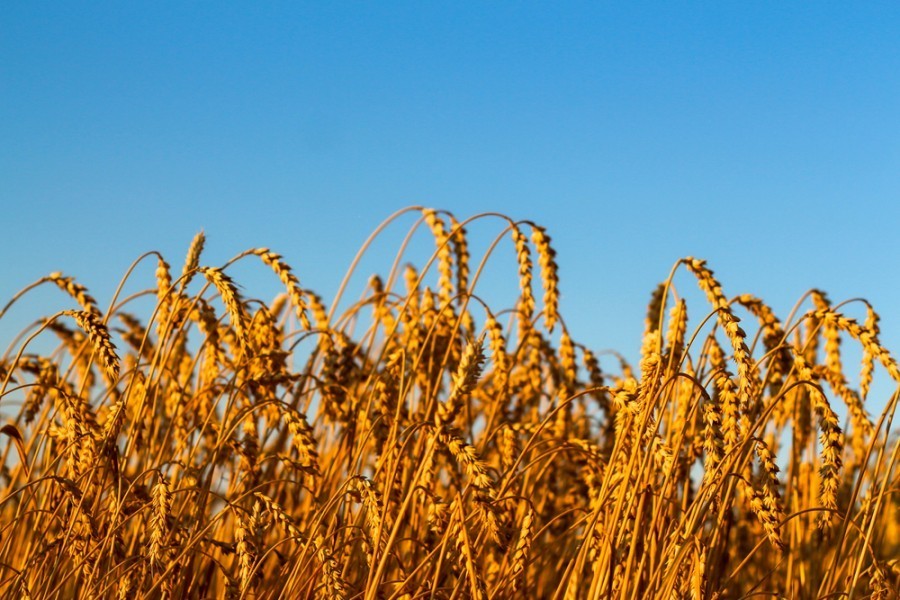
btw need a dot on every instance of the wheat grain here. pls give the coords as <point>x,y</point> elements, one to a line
<point>160,510</point>
<point>76,290</point>
<point>289,280</point>
<point>549,275</point>
<point>98,334</point>
<point>192,259</point>
<point>747,370</point>
<point>232,300</point>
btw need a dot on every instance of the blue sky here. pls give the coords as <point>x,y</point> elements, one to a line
<point>764,137</point>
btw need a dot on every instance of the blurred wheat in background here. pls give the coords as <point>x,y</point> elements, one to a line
<point>421,444</point>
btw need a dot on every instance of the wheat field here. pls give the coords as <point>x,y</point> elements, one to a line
<point>420,444</point>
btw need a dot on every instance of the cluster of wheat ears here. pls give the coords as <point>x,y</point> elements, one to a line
<point>424,445</point>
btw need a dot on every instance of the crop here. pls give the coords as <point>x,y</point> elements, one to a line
<point>418,443</point>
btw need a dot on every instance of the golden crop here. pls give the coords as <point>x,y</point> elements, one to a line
<point>421,444</point>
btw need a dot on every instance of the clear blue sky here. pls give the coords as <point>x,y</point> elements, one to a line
<point>762,136</point>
